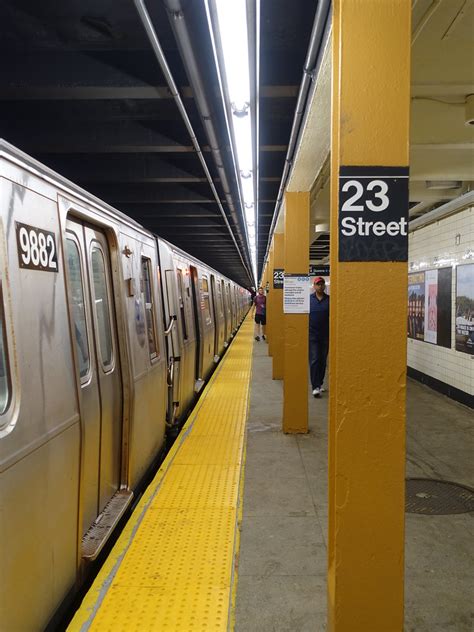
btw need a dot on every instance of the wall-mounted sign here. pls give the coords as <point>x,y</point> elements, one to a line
<point>296,291</point>
<point>36,248</point>
<point>278,276</point>
<point>373,214</point>
<point>319,270</point>
<point>465,308</point>
<point>429,306</point>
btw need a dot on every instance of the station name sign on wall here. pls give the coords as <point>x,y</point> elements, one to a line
<point>278,277</point>
<point>373,213</point>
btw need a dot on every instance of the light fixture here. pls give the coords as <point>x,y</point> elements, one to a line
<point>228,26</point>
<point>443,184</point>
<point>240,112</point>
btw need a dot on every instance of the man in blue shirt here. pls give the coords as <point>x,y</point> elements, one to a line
<point>318,335</point>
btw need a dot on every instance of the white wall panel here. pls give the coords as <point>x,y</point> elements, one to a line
<point>435,246</point>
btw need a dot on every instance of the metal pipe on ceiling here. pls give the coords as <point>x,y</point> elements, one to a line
<point>453,206</point>
<point>180,29</point>
<point>309,71</point>
<point>155,44</point>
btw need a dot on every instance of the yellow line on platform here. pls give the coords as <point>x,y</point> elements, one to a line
<point>174,566</point>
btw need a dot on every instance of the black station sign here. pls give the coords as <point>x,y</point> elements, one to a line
<point>278,277</point>
<point>373,214</point>
<point>36,248</point>
<point>319,270</point>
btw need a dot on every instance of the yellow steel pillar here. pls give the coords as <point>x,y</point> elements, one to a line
<point>277,307</point>
<point>295,369</point>
<point>270,297</point>
<point>369,199</point>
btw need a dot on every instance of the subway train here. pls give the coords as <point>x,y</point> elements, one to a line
<point>107,335</point>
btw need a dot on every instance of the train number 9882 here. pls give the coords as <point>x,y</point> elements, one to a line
<point>36,248</point>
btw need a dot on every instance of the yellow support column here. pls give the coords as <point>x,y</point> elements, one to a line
<point>295,370</point>
<point>277,308</point>
<point>270,300</point>
<point>369,211</point>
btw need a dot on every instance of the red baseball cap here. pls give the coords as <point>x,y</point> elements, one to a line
<point>319,280</point>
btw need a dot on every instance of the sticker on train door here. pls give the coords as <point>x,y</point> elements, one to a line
<point>36,248</point>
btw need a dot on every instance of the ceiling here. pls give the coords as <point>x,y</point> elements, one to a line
<point>83,93</point>
<point>441,143</point>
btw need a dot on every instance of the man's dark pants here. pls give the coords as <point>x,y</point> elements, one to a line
<point>318,353</point>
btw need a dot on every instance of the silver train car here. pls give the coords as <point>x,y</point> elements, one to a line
<point>107,335</point>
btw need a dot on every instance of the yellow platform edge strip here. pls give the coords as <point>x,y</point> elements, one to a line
<point>85,616</point>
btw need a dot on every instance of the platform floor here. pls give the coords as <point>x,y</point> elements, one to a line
<point>282,566</point>
<point>178,564</point>
<point>173,567</point>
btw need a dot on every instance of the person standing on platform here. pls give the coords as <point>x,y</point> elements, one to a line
<point>260,302</point>
<point>318,335</point>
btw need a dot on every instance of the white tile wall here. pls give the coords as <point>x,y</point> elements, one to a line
<point>431,247</point>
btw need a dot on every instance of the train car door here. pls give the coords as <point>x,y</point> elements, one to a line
<point>198,326</point>
<point>174,347</point>
<point>217,320</point>
<point>227,311</point>
<point>95,330</point>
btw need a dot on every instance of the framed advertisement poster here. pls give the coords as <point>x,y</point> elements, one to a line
<point>465,308</point>
<point>416,306</point>
<point>429,306</point>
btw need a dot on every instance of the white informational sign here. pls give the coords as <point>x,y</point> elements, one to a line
<point>296,291</point>
<point>431,306</point>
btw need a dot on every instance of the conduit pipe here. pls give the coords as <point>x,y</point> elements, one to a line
<point>155,44</point>
<point>180,29</point>
<point>309,70</point>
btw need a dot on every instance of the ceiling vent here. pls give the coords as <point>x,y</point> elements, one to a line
<point>443,184</point>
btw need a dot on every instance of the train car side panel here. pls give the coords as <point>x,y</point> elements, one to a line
<point>39,450</point>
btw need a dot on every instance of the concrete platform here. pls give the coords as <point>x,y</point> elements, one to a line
<point>282,566</point>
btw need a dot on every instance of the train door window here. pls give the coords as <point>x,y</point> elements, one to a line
<point>149,311</point>
<point>5,387</point>
<point>220,301</point>
<point>181,304</point>
<point>102,310</point>
<point>78,308</point>
<point>205,305</point>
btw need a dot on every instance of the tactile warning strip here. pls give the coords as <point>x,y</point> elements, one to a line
<point>174,566</point>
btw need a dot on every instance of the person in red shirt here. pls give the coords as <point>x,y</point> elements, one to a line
<point>260,302</point>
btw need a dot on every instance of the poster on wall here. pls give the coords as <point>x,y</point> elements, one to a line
<point>416,306</point>
<point>465,308</point>
<point>296,294</point>
<point>444,310</point>
<point>431,306</point>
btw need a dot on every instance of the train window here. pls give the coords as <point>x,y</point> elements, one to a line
<point>149,312</point>
<point>181,304</point>
<point>220,301</point>
<point>78,307</point>
<point>5,389</point>
<point>206,309</point>
<point>102,311</point>
<point>205,305</point>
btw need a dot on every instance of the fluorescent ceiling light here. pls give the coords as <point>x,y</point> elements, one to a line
<point>234,41</point>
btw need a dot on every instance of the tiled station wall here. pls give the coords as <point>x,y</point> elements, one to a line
<point>448,242</point>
